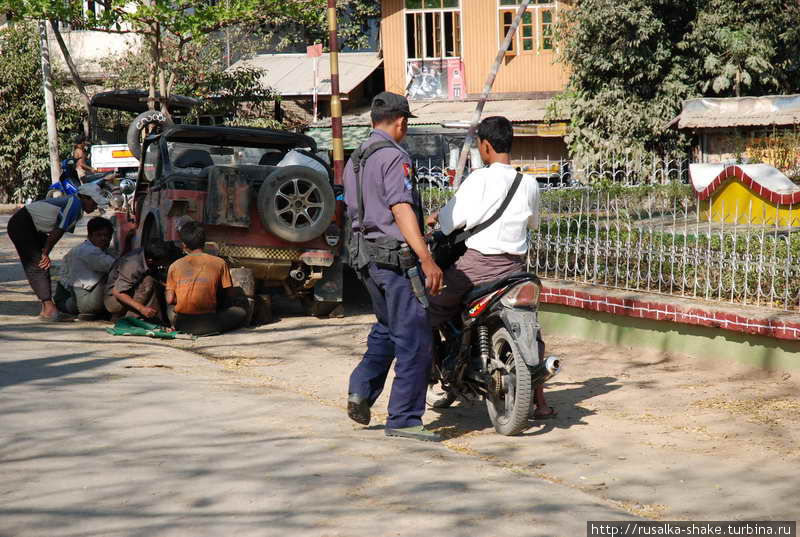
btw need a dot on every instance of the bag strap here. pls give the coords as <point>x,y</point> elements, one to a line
<point>464,235</point>
<point>359,158</point>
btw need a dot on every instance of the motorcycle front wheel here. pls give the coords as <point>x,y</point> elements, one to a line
<point>509,402</point>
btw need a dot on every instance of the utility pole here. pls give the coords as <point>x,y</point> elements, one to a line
<point>50,104</point>
<point>487,89</point>
<point>336,101</point>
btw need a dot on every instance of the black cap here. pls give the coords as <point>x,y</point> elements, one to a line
<point>391,102</point>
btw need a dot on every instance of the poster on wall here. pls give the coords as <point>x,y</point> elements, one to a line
<point>435,79</point>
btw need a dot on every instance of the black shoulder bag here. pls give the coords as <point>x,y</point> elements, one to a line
<point>446,249</point>
<point>360,252</point>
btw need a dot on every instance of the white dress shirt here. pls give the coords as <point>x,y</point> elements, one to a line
<point>477,199</point>
<point>85,265</point>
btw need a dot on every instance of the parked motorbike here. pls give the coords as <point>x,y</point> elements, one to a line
<point>491,352</point>
<point>68,182</point>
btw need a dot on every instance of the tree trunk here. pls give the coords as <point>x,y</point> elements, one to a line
<point>738,82</point>
<point>163,92</point>
<point>152,73</point>
<point>50,105</point>
<point>91,115</point>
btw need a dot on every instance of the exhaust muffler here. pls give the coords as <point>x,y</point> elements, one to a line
<point>545,370</point>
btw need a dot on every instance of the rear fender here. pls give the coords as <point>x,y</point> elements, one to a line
<point>523,325</point>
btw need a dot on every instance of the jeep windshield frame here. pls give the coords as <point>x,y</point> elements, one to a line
<point>238,136</point>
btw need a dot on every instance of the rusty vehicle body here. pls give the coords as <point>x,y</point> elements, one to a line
<point>280,222</point>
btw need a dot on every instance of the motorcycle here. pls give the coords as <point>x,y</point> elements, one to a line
<point>68,182</point>
<point>491,352</point>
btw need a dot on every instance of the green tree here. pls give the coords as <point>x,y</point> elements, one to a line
<point>741,58</point>
<point>632,62</point>
<point>355,18</point>
<point>160,21</point>
<point>24,161</point>
<point>628,74</point>
<point>238,95</point>
<point>746,46</point>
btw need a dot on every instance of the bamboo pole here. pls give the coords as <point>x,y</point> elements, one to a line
<point>336,101</point>
<point>487,89</point>
<point>50,104</point>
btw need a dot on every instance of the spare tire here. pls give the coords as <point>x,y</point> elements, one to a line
<point>296,203</point>
<point>137,130</point>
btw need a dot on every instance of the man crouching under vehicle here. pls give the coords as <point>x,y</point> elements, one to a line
<point>500,249</point>
<point>194,284</point>
<point>133,289</point>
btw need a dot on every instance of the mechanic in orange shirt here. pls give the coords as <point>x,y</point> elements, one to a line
<point>195,285</point>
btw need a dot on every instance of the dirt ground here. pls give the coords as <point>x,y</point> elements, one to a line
<point>660,435</point>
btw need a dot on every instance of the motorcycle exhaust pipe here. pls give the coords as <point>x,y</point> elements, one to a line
<point>545,370</point>
<point>298,275</point>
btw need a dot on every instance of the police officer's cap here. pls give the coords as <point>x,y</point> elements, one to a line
<point>391,102</point>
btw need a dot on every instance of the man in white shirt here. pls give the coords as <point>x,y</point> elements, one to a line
<point>500,249</point>
<point>81,288</point>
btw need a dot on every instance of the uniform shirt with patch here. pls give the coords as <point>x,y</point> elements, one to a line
<point>57,213</point>
<point>386,180</point>
<point>196,281</point>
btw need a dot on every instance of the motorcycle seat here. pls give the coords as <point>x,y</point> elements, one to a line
<point>492,286</point>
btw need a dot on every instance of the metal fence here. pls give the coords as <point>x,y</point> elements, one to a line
<point>648,232</point>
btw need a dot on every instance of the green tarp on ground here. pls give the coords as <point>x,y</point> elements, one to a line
<point>136,327</point>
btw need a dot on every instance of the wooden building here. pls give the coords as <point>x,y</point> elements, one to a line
<point>445,35</point>
<point>439,52</point>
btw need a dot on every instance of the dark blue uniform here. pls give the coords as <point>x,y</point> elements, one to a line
<point>402,330</point>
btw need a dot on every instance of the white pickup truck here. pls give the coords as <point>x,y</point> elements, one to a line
<point>114,157</point>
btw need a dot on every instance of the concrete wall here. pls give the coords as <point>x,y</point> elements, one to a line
<point>757,351</point>
<point>88,47</point>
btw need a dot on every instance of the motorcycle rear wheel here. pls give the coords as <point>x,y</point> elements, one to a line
<point>509,413</point>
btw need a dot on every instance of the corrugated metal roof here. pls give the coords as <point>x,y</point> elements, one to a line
<point>739,112</point>
<point>293,74</point>
<point>437,112</point>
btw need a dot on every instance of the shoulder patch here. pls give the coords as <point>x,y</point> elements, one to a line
<point>407,169</point>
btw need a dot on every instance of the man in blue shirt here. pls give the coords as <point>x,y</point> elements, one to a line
<point>36,229</point>
<point>384,211</point>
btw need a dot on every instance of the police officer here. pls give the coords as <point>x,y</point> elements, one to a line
<point>379,185</point>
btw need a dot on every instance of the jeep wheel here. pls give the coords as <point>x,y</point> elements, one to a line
<point>296,203</point>
<point>138,129</point>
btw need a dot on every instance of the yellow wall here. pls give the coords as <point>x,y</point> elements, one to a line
<point>523,73</point>
<point>735,203</point>
<point>393,45</point>
<point>518,74</point>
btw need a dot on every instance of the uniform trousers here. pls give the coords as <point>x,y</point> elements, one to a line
<point>402,333</point>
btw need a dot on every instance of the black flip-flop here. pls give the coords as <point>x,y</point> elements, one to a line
<point>550,416</point>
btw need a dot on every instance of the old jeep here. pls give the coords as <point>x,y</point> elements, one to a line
<point>278,221</point>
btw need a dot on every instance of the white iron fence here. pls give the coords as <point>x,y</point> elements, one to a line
<point>648,232</point>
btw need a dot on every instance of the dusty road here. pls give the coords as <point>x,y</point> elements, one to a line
<point>246,434</point>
